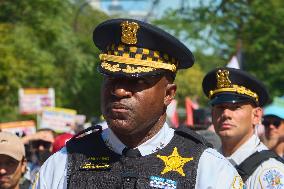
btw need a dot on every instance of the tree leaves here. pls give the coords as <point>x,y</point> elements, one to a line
<point>39,48</point>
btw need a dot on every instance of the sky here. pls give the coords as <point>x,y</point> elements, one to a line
<point>139,6</point>
<point>142,6</point>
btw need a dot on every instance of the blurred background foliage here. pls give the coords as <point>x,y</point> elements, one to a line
<point>49,44</point>
<point>220,29</point>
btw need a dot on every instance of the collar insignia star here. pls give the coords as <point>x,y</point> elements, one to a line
<point>174,162</point>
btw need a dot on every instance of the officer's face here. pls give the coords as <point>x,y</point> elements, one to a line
<point>133,105</point>
<point>235,121</point>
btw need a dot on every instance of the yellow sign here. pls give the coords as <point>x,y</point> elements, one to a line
<point>174,162</point>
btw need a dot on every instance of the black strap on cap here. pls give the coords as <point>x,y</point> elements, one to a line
<point>249,165</point>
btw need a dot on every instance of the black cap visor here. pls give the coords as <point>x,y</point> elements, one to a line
<point>230,98</point>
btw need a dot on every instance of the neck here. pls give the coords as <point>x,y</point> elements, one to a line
<point>231,144</point>
<point>279,149</point>
<point>139,138</point>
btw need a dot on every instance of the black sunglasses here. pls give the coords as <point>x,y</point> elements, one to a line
<point>275,122</point>
<point>36,144</point>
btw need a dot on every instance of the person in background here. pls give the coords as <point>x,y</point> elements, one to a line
<point>236,99</point>
<point>273,121</point>
<point>40,146</point>
<point>12,162</point>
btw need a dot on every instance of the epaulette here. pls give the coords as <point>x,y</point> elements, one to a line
<point>188,133</point>
<point>79,140</point>
<point>93,128</point>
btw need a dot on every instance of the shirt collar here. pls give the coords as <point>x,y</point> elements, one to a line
<point>158,141</point>
<point>245,150</point>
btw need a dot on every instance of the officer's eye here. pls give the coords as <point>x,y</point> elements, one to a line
<point>141,81</point>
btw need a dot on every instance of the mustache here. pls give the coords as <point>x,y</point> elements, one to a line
<point>118,105</point>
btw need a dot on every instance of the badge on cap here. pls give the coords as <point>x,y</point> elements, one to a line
<point>224,84</point>
<point>174,162</point>
<point>129,30</point>
<point>223,80</point>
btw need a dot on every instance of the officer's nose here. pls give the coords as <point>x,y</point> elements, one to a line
<point>121,89</point>
<point>226,113</point>
<point>3,171</point>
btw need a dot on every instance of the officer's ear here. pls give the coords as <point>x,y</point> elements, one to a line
<point>170,93</point>
<point>257,113</point>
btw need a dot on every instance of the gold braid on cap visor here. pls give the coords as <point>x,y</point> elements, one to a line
<point>131,55</point>
<point>237,89</point>
<point>133,61</point>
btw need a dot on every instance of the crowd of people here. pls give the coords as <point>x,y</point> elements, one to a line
<point>135,147</point>
<point>22,157</point>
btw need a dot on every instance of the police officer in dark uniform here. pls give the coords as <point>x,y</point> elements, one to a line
<point>139,150</point>
<point>237,99</point>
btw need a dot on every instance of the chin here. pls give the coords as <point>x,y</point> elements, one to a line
<point>121,126</point>
<point>225,134</point>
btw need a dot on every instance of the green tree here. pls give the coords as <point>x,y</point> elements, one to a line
<point>189,83</point>
<point>220,25</point>
<point>39,48</point>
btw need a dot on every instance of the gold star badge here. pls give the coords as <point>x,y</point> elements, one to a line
<point>174,162</point>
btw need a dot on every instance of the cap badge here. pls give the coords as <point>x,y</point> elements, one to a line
<point>225,85</point>
<point>129,31</point>
<point>223,80</point>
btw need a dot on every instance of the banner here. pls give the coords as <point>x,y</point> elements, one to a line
<point>33,100</point>
<point>58,119</point>
<point>21,128</point>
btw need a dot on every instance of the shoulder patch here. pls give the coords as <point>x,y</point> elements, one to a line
<point>272,179</point>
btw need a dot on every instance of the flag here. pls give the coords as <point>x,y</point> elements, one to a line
<point>189,112</point>
<point>234,63</point>
<point>172,113</point>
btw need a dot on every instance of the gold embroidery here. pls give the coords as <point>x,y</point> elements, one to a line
<point>237,183</point>
<point>112,68</point>
<point>129,30</point>
<point>174,162</point>
<point>225,85</point>
<point>223,80</point>
<point>139,69</point>
<point>95,166</point>
<point>133,61</point>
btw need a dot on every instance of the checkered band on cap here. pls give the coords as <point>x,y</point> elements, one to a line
<point>147,59</point>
